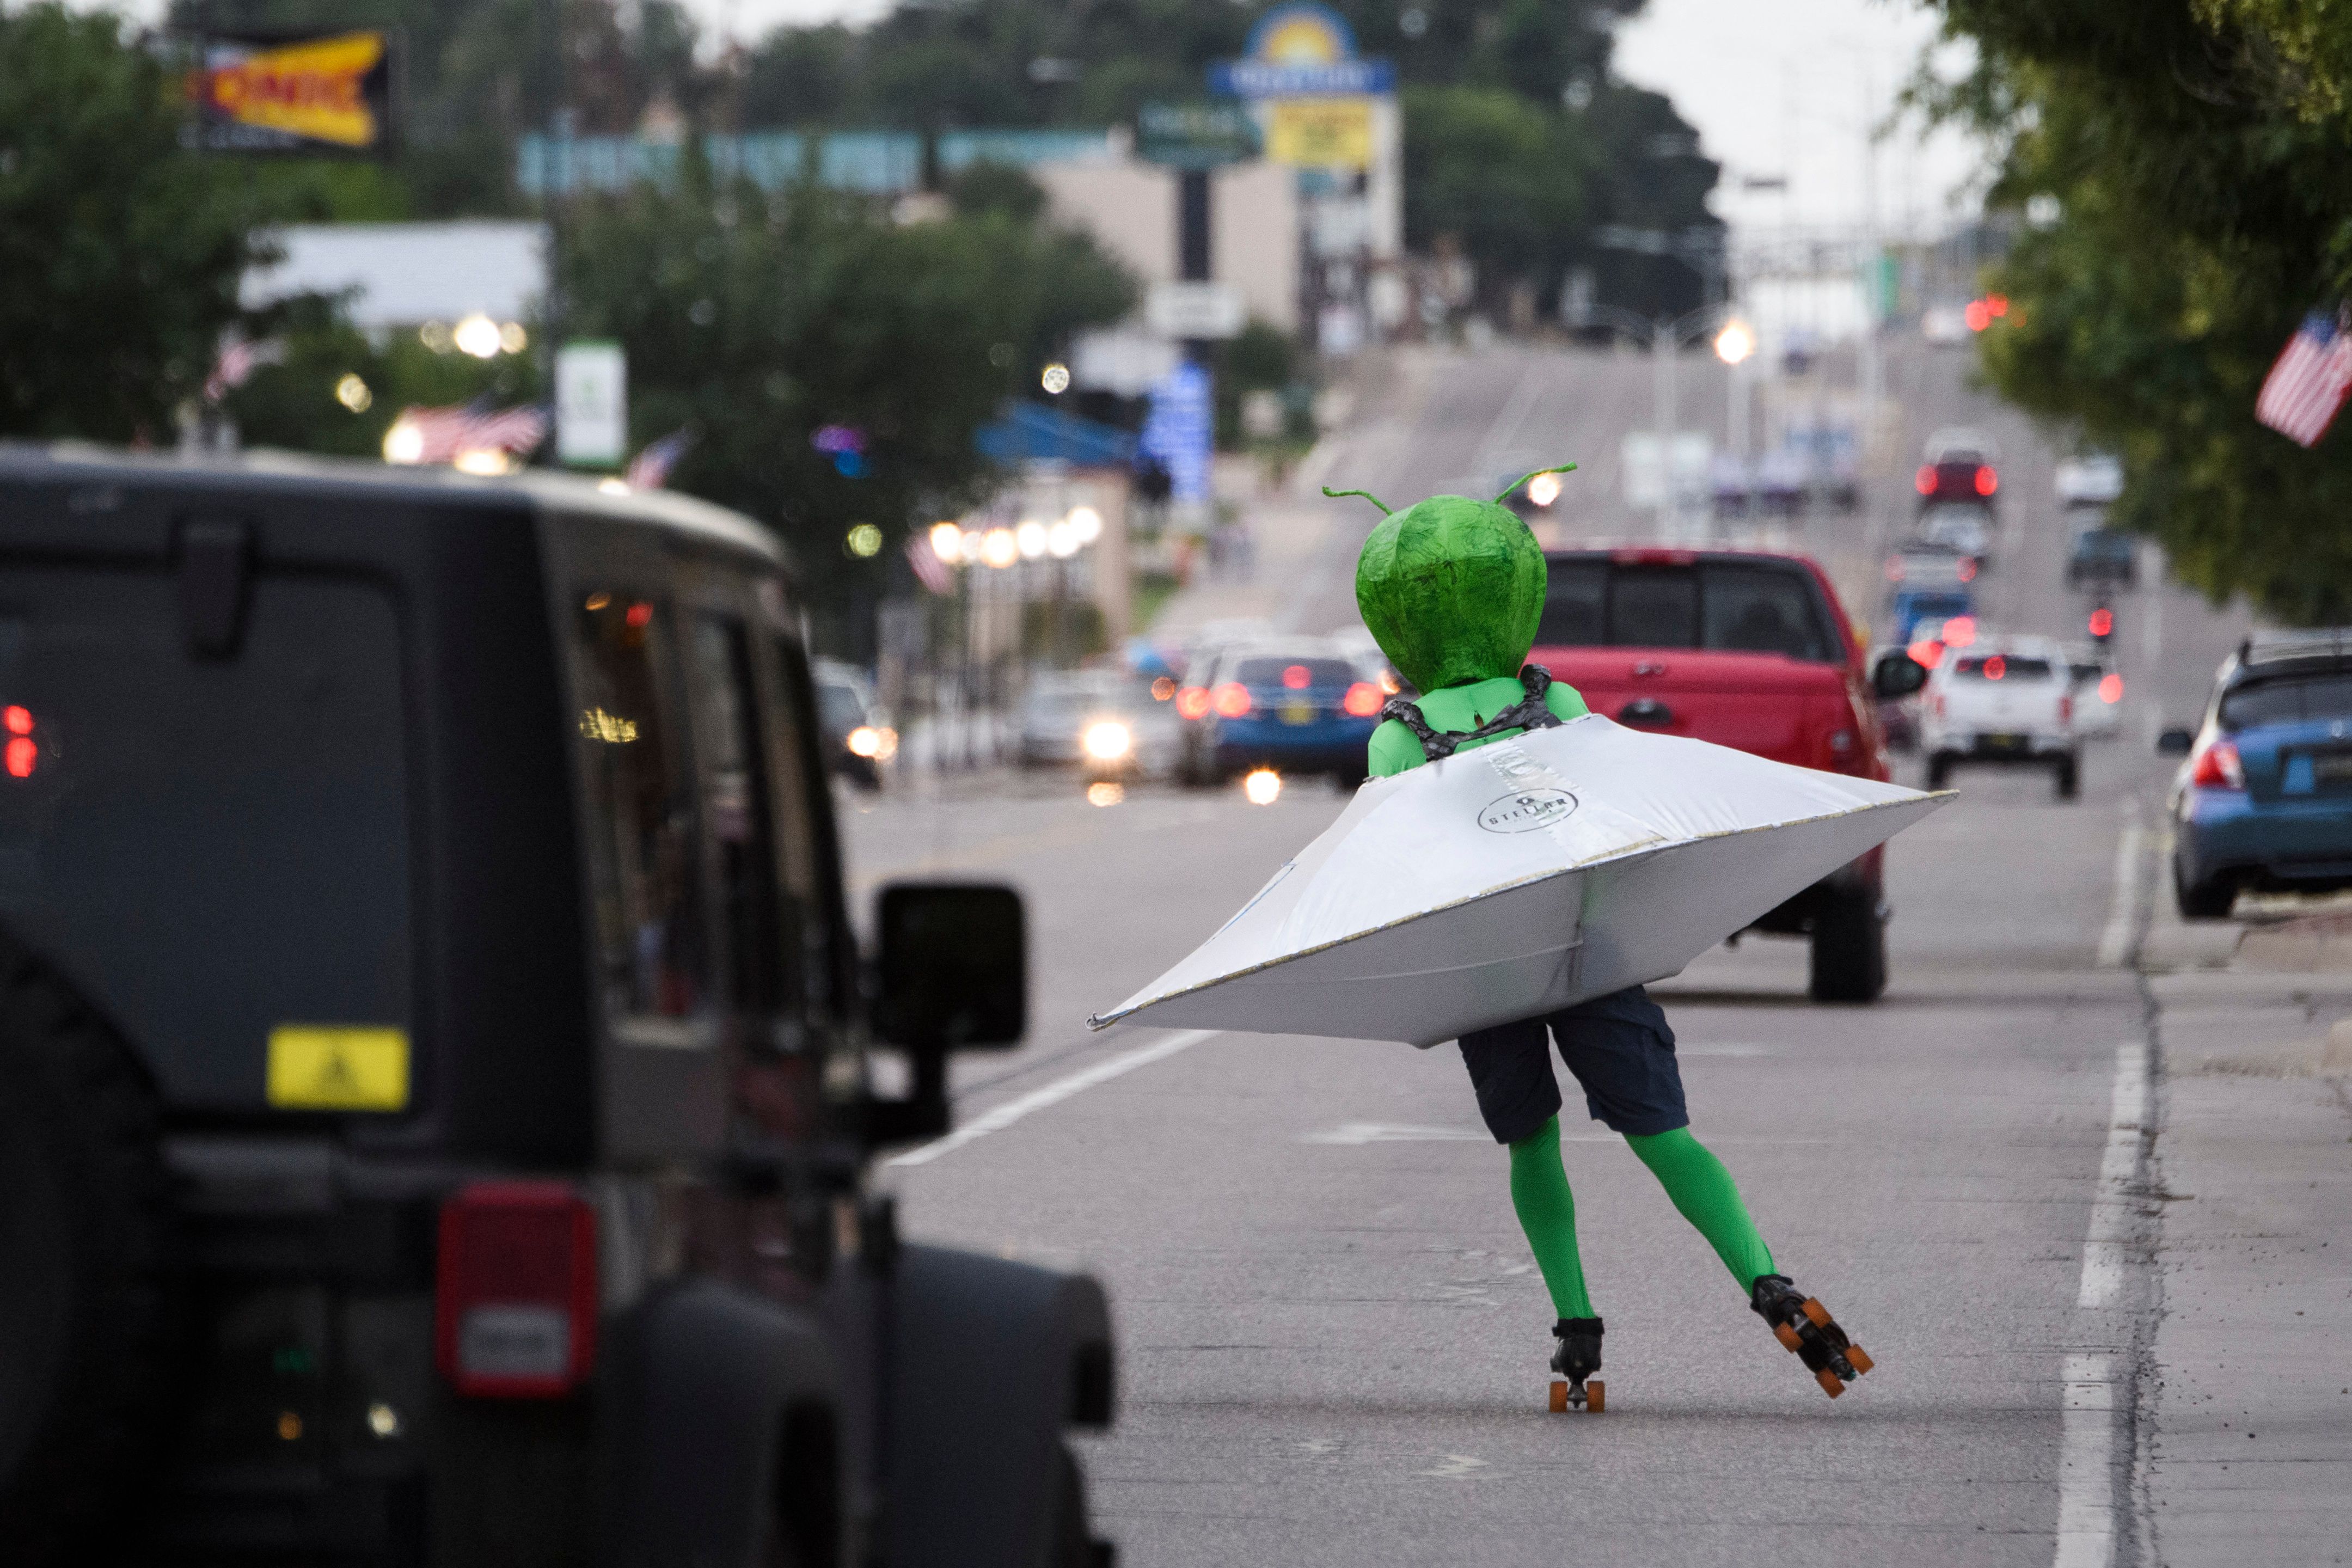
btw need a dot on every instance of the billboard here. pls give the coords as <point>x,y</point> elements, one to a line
<point>1320,132</point>
<point>311,95</point>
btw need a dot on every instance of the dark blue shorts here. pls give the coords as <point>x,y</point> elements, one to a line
<point>1618,1047</point>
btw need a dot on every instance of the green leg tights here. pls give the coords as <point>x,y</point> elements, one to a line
<point>1703,1191</point>
<point>1548,1214</point>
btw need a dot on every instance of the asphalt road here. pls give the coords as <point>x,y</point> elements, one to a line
<point>1333,1340</point>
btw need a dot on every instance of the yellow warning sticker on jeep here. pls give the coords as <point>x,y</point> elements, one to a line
<point>325,1067</point>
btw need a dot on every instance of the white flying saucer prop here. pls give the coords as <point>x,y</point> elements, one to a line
<point>1518,877</point>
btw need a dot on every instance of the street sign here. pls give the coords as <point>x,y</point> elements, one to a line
<point>1195,310</point>
<point>1194,135</point>
<point>591,404</point>
<point>312,95</point>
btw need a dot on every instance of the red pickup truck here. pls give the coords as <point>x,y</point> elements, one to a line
<point>1749,650</point>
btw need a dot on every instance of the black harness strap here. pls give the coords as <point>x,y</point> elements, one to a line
<point>1527,713</point>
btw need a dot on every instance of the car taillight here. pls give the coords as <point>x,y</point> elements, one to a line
<point>1231,700</point>
<point>2111,687</point>
<point>1937,703</point>
<point>514,1307</point>
<point>2065,709</point>
<point>1987,481</point>
<point>1363,700</point>
<point>2218,766</point>
<point>1925,479</point>
<point>1192,703</point>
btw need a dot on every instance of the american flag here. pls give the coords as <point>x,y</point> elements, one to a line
<point>649,470</point>
<point>933,573</point>
<point>237,363</point>
<point>441,434</point>
<point>2307,385</point>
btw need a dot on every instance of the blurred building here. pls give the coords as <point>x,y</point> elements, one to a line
<point>396,275</point>
<point>1129,208</point>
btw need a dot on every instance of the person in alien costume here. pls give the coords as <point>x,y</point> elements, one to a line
<point>1453,589</point>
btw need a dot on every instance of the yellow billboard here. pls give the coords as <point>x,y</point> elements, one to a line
<point>1320,132</point>
<point>313,94</point>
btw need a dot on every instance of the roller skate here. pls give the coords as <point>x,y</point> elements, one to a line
<point>1806,1327</point>
<point>1578,1357</point>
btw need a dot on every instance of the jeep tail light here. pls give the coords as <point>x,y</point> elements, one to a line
<point>2218,766</point>
<point>1363,700</point>
<point>2065,709</point>
<point>514,1307</point>
<point>1231,700</point>
<point>1192,703</point>
<point>1987,481</point>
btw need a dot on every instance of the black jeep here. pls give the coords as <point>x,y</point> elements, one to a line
<point>434,1105</point>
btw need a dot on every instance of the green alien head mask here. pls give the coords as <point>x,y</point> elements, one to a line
<point>1451,588</point>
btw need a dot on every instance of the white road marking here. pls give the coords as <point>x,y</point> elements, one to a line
<point>1052,1094</point>
<point>1353,1133</point>
<point>2087,1502</point>
<point>2123,903</point>
<point>2111,1208</point>
<point>1003,1116</point>
<point>2087,1510</point>
<point>1456,1466</point>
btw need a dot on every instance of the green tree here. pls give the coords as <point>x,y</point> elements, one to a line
<point>2204,197</point>
<point>120,253</point>
<point>756,318</point>
<point>1503,177</point>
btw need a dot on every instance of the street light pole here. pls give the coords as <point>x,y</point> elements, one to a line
<point>1665,336</point>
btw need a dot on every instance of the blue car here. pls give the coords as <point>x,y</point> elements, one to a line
<point>1297,708</point>
<point>2264,799</point>
<point>1922,612</point>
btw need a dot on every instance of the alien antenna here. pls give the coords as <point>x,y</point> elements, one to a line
<point>1368,495</point>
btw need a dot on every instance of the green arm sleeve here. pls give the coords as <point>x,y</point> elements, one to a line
<point>1393,750</point>
<point>1564,701</point>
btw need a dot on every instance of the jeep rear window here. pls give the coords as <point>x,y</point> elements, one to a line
<point>212,849</point>
<point>2287,700</point>
<point>652,964</point>
<point>1725,607</point>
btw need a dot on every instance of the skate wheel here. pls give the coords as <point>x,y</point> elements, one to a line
<point>1818,1313</point>
<point>1829,1384</point>
<point>1596,1396</point>
<point>1559,1399</point>
<point>1862,1363</point>
<point>1788,1337</point>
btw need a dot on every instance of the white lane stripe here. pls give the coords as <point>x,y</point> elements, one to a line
<point>2111,1207</point>
<point>1053,1093</point>
<point>2086,1499</point>
<point>2123,904</point>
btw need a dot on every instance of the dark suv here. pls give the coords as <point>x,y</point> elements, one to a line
<point>433,1082</point>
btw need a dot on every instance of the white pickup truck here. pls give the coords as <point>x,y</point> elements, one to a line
<point>2003,699</point>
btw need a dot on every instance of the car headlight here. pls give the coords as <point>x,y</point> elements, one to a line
<point>1108,741</point>
<point>879,743</point>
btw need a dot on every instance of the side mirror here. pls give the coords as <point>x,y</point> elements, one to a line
<point>1897,675</point>
<point>951,967</point>
<point>2175,742</point>
<point>951,974</point>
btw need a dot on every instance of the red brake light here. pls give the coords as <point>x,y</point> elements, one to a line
<point>514,1307</point>
<point>1192,703</point>
<point>1925,478</point>
<point>1959,631</point>
<point>1995,668</point>
<point>2102,621</point>
<point>1231,700</point>
<point>1967,569</point>
<point>1998,304</point>
<point>21,753</point>
<point>1987,481</point>
<point>2065,709</point>
<point>1978,314</point>
<point>1927,652</point>
<point>2111,687</point>
<point>1363,700</point>
<point>1296,677</point>
<point>2218,766</point>
<point>16,719</point>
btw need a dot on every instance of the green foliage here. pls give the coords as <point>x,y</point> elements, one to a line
<point>2205,208</point>
<point>1503,177</point>
<point>293,403</point>
<point>757,319</point>
<point>1451,589</point>
<point>120,252</point>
